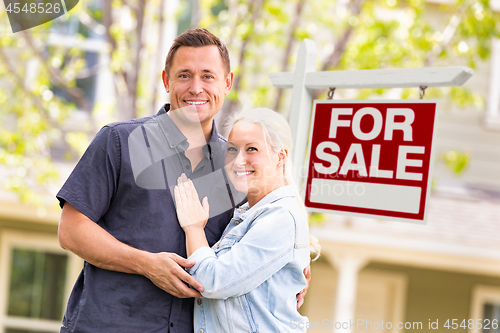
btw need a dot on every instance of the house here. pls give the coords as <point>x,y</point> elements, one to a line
<point>372,272</point>
<point>36,274</point>
<point>381,276</point>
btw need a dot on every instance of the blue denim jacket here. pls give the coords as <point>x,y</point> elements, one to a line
<point>253,273</point>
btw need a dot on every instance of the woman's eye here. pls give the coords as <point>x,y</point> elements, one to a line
<point>252,149</point>
<point>231,149</point>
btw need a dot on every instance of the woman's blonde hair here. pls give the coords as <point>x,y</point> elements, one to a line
<point>279,137</point>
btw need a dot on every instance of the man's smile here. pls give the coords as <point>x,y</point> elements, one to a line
<point>196,102</point>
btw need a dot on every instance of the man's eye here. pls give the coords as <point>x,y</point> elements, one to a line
<point>208,76</point>
<point>231,150</point>
<point>183,76</point>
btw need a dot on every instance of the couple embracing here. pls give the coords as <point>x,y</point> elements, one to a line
<point>172,219</point>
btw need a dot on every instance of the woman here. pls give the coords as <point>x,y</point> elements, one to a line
<point>252,274</point>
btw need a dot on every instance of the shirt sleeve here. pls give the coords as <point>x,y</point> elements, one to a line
<point>91,185</point>
<point>264,249</point>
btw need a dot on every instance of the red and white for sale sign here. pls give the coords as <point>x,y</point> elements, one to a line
<point>371,158</point>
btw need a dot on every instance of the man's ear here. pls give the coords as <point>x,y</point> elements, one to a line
<point>228,83</point>
<point>164,76</point>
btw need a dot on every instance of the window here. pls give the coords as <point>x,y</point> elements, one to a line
<point>493,101</point>
<point>36,284</point>
<point>83,32</point>
<point>486,306</point>
<point>380,296</point>
<point>33,283</point>
<point>86,80</point>
<point>491,313</point>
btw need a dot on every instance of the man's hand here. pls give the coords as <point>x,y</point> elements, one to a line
<point>302,294</point>
<point>167,274</point>
<point>78,234</point>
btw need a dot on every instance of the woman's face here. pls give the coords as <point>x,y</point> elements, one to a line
<point>252,165</point>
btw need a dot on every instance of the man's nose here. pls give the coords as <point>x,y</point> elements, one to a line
<point>196,86</point>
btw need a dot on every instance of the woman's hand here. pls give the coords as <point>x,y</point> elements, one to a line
<point>190,213</point>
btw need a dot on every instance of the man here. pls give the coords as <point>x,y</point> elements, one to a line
<point>119,215</point>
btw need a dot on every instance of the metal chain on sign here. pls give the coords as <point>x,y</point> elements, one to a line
<point>422,91</point>
<point>330,93</point>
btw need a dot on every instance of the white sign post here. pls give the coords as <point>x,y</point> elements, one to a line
<point>305,79</point>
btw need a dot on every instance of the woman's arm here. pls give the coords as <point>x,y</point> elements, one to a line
<point>266,247</point>
<point>192,215</point>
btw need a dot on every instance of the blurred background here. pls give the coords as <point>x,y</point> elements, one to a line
<point>101,62</point>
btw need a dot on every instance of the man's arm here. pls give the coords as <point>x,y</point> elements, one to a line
<point>302,294</point>
<point>78,234</point>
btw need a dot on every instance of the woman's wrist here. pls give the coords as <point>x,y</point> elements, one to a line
<point>195,238</point>
<point>196,227</point>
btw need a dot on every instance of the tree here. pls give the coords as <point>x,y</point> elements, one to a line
<point>350,34</point>
<point>43,84</point>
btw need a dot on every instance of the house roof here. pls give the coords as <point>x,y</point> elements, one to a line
<point>465,225</point>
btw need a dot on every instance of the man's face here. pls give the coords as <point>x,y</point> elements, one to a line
<point>197,83</point>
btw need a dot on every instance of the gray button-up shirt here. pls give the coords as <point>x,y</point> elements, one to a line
<point>121,184</point>
<point>157,152</point>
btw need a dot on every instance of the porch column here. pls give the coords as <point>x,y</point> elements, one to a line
<point>348,267</point>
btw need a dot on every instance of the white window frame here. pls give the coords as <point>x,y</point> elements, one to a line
<point>33,241</point>
<point>398,283</point>
<point>482,294</point>
<point>492,115</point>
<point>104,79</point>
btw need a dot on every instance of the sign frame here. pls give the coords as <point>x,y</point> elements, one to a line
<point>424,196</point>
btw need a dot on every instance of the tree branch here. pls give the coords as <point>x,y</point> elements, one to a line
<point>158,56</point>
<point>342,42</point>
<point>448,33</point>
<point>20,83</point>
<point>233,12</point>
<point>75,93</point>
<point>255,10</point>
<point>195,14</point>
<point>90,23</point>
<point>134,75</point>
<point>36,99</point>
<point>88,72</point>
<point>128,4</point>
<point>108,21</point>
<point>290,41</point>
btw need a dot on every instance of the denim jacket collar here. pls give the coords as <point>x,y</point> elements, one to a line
<point>244,211</point>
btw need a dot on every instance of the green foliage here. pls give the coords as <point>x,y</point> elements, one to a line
<point>316,219</point>
<point>29,119</point>
<point>41,90</point>
<point>456,161</point>
<point>385,34</point>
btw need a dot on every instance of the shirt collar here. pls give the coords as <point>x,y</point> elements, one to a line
<point>175,137</point>
<point>244,211</point>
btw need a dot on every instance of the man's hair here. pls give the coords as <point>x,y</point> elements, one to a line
<point>197,38</point>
